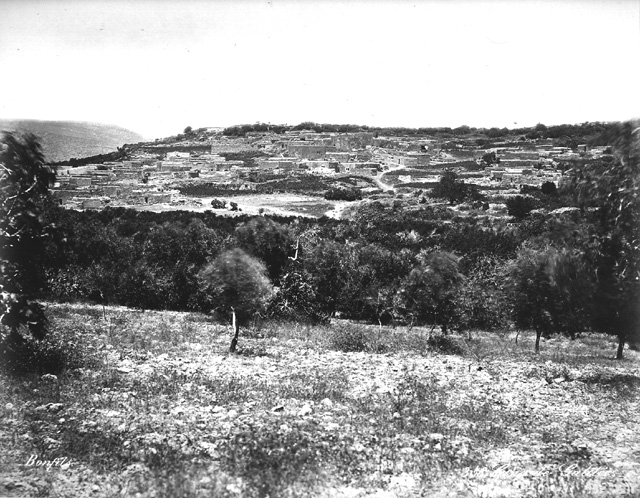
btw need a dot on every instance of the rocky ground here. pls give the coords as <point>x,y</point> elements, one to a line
<point>160,408</point>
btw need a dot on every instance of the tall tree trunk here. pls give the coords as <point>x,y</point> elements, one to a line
<point>236,330</point>
<point>621,340</point>
<point>538,334</point>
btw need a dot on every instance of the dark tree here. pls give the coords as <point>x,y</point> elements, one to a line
<point>609,193</point>
<point>550,291</point>
<point>239,287</point>
<point>490,158</point>
<point>454,191</point>
<point>520,206</point>
<point>267,240</point>
<point>549,188</point>
<point>428,293</point>
<point>24,188</point>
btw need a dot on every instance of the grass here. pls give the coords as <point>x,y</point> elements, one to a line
<point>162,409</point>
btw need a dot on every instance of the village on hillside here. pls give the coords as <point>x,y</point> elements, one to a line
<point>166,173</point>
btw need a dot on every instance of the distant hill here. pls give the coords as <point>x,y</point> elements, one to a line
<point>63,140</point>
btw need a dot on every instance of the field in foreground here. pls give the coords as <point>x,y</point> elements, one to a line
<point>164,410</point>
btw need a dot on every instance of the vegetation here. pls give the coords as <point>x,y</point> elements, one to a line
<point>520,206</point>
<point>24,189</point>
<point>238,286</point>
<point>455,191</point>
<point>343,194</point>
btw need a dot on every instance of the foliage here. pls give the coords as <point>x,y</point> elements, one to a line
<point>549,188</point>
<point>444,344</point>
<point>24,187</point>
<point>427,294</point>
<point>63,348</point>
<point>609,192</point>
<point>218,204</point>
<point>343,194</point>
<point>490,158</point>
<point>268,241</point>
<point>481,303</point>
<point>237,282</point>
<point>520,206</point>
<point>455,191</point>
<point>297,299</point>
<point>353,338</point>
<point>550,291</point>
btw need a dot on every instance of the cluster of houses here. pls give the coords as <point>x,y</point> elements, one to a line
<point>146,179</point>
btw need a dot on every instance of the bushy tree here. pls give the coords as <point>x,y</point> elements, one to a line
<point>520,206</point>
<point>24,187</point>
<point>239,287</point>
<point>455,191</point>
<point>550,291</point>
<point>428,293</point>
<point>549,188</point>
<point>490,158</point>
<point>481,300</point>
<point>267,240</point>
<point>296,298</point>
<point>608,191</point>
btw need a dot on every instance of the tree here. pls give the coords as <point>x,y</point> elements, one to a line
<point>24,187</point>
<point>188,130</point>
<point>453,190</point>
<point>520,206</point>
<point>481,302</point>
<point>490,158</point>
<point>239,286</point>
<point>549,188</point>
<point>267,240</point>
<point>427,294</point>
<point>550,291</point>
<point>608,191</point>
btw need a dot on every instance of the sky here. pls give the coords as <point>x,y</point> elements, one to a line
<point>156,66</point>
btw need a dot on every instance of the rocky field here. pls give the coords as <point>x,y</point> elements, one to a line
<point>152,404</point>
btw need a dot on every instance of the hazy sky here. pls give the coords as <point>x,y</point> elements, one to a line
<point>157,66</point>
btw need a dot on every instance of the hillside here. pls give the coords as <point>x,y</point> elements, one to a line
<point>67,139</point>
<point>163,410</point>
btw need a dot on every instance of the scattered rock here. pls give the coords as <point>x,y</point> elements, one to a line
<point>305,410</point>
<point>49,407</point>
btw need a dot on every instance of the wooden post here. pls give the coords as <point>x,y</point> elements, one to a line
<point>235,329</point>
<point>621,341</point>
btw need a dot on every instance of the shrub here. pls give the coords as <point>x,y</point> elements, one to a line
<point>520,206</point>
<point>444,344</point>
<point>428,293</point>
<point>63,348</point>
<point>343,194</point>
<point>481,302</point>
<point>353,338</point>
